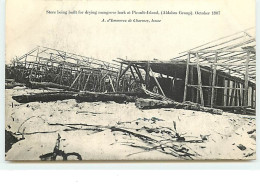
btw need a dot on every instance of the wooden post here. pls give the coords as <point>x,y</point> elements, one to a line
<point>158,84</point>
<point>125,70</point>
<point>118,76</point>
<point>61,76</point>
<point>186,78</point>
<point>210,84</point>
<point>192,83</point>
<point>232,93</point>
<point>111,83</point>
<point>228,92</point>
<point>138,73</point>
<point>147,76</point>
<point>237,94</point>
<point>199,79</point>
<point>132,72</point>
<point>246,81</point>
<point>213,80</point>
<point>75,79</point>
<point>252,98</point>
<point>85,86</point>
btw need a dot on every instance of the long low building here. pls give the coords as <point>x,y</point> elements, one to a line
<point>220,74</point>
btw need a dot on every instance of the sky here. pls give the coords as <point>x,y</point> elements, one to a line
<point>28,25</point>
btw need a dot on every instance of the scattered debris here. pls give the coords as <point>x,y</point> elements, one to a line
<point>241,147</point>
<point>252,131</point>
<point>204,137</point>
<point>57,152</point>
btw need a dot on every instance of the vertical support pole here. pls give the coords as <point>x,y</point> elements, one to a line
<point>228,92</point>
<point>239,94</point>
<point>186,78</point>
<point>199,79</point>
<point>232,93</point>
<point>85,86</point>
<point>62,71</point>
<point>246,82</point>
<point>192,82</point>
<point>118,76</point>
<point>213,80</point>
<point>252,98</point>
<point>147,76</point>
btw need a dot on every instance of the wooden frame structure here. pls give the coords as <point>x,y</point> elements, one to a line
<point>44,64</point>
<point>219,74</point>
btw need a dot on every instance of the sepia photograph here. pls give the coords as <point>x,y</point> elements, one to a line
<point>131,81</point>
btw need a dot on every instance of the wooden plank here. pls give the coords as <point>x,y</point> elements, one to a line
<point>225,92</point>
<point>118,76</point>
<point>216,87</point>
<point>199,80</point>
<point>125,70</point>
<point>147,76</point>
<point>213,82</point>
<point>239,94</point>
<point>111,83</point>
<point>85,86</point>
<point>192,82</point>
<point>210,83</point>
<point>138,73</point>
<point>236,95</point>
<point>158,84</point>
<point>232,94</point>
<point>246,81</point>
<point>132,72</point>
<point>252,98</point>
<point>186,78</point>
<point>75,79</point>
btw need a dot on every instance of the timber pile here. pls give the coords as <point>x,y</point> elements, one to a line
<point>45,97</point>
<point>10,83</point>
<point>154,95</point>
<point>95,96</point>
<point>46,85</point>
<point>153,104</point>
<point>80,97</point>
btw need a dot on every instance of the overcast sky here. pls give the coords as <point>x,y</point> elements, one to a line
<point>28,25</point>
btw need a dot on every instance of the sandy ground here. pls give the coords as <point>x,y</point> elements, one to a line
<point>111,131</point>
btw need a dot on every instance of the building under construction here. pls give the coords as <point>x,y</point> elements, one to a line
<point>219,74</point>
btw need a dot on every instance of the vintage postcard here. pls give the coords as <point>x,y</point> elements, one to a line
<point>130,80</point>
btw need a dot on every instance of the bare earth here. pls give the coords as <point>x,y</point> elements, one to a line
<point>111,131</point>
